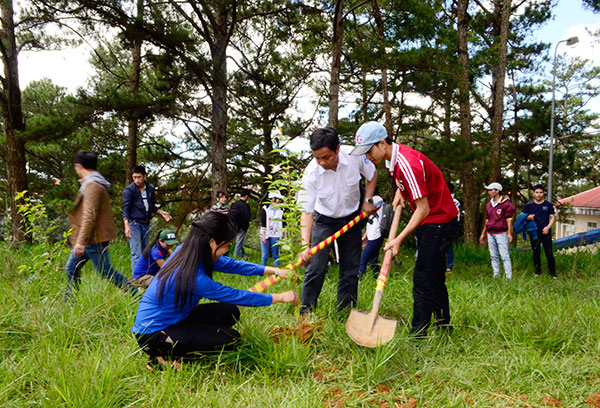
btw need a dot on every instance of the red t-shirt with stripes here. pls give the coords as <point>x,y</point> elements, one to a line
<point>416,176</point>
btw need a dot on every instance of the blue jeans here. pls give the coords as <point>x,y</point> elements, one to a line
<point>138,240</point>
<point>450,257</point>
<point>370,256</point>
<point>498,245</point>
<point>264,249</point>
<point>98,254</point>
<point>239,252</point>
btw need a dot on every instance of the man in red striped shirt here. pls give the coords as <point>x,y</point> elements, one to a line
<point>420,183</point>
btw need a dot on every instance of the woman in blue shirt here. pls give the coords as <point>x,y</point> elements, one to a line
<point>170,323</point>
<point>153,257</point>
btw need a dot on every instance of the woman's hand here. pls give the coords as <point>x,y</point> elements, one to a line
<point>286,297</point>
<point>270,270</point>
<point>283,273</point>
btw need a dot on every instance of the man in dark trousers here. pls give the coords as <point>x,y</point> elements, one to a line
<point>330,198</point>
<point>542,212</point>
<point>239,213</point>
<point>93,225</point>
<point>139,206</point>
<point>421,184</point>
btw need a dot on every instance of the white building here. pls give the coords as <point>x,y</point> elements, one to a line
<point>578,213</point>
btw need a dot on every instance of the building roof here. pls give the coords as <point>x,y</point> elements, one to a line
<point>588,199</point>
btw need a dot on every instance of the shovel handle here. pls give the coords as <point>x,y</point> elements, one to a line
<point>272,280</point>
<point>387,260</point>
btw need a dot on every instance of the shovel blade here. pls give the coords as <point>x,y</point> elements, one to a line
<point>368,333</point>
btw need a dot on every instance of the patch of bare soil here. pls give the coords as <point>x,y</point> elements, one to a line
<point>551,401</point>
<point>303,331</point>
<point>594,400</point>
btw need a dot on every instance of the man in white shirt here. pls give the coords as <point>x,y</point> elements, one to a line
<point>330,199</point>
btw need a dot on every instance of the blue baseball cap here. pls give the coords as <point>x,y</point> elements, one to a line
<point>366,136</point>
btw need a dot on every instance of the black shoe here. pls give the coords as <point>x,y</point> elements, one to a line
<point>305,309</point>
<point>445,328</point>
<point>418,334</point>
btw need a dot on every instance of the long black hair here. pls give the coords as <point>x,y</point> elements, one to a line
<point>182,268</point>
<point>147,250</point>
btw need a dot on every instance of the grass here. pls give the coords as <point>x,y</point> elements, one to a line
<point>529,342</point>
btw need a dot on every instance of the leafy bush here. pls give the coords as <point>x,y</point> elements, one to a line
<point>41,229</point>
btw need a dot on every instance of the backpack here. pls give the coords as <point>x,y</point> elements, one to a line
<point>385,222</point>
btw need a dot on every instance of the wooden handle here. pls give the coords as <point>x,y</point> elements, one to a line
<point>387,260</point>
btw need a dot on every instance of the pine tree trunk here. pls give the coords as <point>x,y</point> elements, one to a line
<point>16,162</point>
<point>134,86</point>
<point>471,198</point>
<point>219,102</point>
<point>336,57</point>
<point>498,78</point>
<point>387,109</point>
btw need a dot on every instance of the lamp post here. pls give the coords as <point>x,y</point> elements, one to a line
<point>569,41</point>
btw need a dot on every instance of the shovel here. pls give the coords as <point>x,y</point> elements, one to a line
<point>369,329</point>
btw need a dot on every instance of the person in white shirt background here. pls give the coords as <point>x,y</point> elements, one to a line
<point>271,224</point>
<point>330,198</point>
<point>374,240</point>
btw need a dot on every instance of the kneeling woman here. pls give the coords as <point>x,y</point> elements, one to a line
<point>153,258</point>
<point>169,320</point>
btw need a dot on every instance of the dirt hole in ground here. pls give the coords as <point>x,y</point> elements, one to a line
<point>551,401</point>
<point>594,400</point>
<point>303,331</point>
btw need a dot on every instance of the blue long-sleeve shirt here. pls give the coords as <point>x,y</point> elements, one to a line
<point>153,315</point>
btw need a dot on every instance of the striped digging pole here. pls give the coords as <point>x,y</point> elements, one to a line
<point>272,280</point>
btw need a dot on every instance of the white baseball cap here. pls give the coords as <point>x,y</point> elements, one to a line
<point>494,186</point>
<point>275,194</point>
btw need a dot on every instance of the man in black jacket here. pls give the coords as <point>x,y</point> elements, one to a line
<point>240,215</point>
<point>139,205</point>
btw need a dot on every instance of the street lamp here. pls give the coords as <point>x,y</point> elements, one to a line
<point>569,41</point>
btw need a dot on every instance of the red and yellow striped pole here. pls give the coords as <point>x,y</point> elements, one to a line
<point>272,280</point>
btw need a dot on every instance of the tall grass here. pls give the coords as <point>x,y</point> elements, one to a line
<point>524,343</point>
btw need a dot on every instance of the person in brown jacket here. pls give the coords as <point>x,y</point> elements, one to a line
<point>93,225</point>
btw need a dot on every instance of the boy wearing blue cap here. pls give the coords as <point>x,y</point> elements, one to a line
<point>421,184</point>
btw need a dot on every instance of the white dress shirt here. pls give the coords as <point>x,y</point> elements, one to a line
<point>336,193</point>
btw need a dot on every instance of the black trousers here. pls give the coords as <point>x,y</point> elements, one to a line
<point>544,240</point>
<point>349,245</point>
<point>430,294</point>
<point>206,329</point>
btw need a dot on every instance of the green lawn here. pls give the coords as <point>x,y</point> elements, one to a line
<point>529,342</point>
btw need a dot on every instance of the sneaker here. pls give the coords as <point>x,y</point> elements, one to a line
<point>537,275</point>
<point>554,277</point>
<point>305,309</point>
<point>448,270</point>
